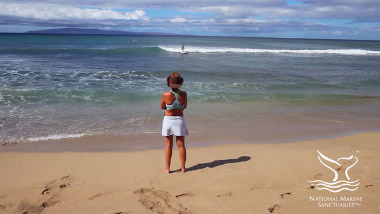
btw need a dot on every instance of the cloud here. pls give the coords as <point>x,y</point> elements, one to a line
<point>327,17</point>
<point>357,13</point>
<point>171,4</point>
<point>43,11</point>
<point>359,10</point>
<point>178,19</point>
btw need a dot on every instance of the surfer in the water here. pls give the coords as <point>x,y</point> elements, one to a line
<point>183,49</point>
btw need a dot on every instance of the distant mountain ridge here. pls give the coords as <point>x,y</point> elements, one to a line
<point>86,31</point>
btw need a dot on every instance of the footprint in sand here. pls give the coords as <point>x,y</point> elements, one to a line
<point>98,195</point>
<point>56,185</point>
<point>369,186</point>
<point>318,176</point>
<point>274,209</point>
<point>5,206</point>
<point>159,202</point>
<point>184,194</point>
<point>225,194</point>
<point>26,208</point>
<point>49,196</point>
<point>286,195</point>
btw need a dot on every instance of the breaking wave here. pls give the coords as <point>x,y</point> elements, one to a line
<point>193,49</point>
<point>56,137</point>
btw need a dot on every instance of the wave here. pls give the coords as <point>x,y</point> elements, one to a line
<point>105,50</point>
<point>190,49</point>
<point>193,49</point>
<point>56,137</point>
<point>127,94</point>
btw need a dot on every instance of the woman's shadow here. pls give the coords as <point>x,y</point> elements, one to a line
<point>216,163</point>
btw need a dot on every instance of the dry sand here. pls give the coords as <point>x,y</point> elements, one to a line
<point>234,178</point>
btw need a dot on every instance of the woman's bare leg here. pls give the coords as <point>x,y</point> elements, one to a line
<point>168,152</point>
<point>182,151</point>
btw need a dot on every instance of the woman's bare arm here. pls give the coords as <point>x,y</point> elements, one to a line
<point>163,104</point>
<point>185,99</point>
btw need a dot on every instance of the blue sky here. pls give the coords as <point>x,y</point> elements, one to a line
<point>339,19</point>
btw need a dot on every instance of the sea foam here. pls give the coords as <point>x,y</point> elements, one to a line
<point>194,49</point>
<point>56,137</point>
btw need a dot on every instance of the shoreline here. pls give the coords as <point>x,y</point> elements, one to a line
<point>152,141</point>
<point>230,178</point>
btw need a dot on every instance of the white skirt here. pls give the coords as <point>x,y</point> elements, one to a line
<point>174,125</point>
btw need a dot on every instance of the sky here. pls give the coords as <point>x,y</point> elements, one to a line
<point>331,19</point>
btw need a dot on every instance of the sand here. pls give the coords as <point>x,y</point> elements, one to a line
<point>232,178</point>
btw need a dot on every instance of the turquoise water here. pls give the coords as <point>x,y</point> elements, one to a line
<point>55,86</point>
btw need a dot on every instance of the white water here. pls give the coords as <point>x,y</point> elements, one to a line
<point>194,49</point>
<point>56,137</point>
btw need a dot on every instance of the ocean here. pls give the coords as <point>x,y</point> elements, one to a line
<point>62,86</point>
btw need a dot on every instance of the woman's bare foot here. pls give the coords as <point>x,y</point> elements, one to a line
<point>165,171</point>
<point>183,170</point>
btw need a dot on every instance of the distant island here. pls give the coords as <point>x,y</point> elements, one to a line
<point>86,31</point>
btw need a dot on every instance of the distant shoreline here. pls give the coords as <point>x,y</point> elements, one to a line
<point>179,35</point>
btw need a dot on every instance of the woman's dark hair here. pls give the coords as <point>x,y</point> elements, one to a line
<point>174,78</point>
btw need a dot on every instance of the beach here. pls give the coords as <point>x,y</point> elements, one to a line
<point>228,178</point>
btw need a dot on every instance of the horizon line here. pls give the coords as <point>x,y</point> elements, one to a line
<point>178,35</point>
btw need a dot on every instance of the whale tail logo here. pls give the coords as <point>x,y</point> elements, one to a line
<point>343,164</point>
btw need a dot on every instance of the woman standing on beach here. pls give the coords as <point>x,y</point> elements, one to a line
<point>174,102</point>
